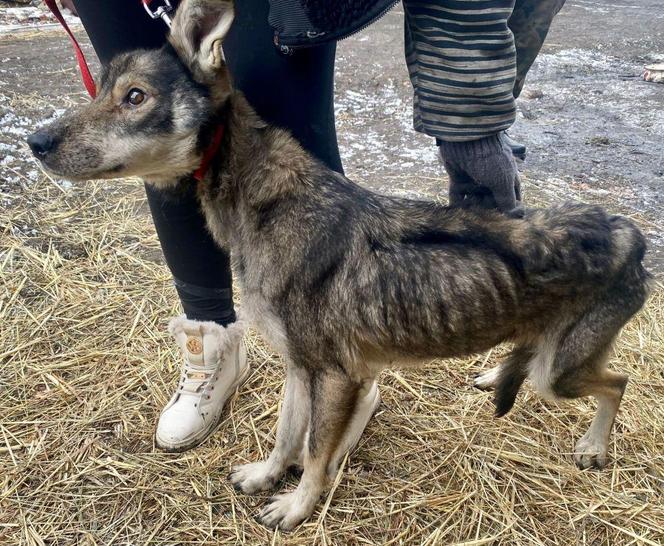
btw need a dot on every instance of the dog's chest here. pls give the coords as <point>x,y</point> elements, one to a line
<point>261,315</point>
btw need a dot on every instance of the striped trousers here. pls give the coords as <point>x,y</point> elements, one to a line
<point>468,59</point>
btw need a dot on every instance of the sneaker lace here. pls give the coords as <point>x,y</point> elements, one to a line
<point>195,381</point>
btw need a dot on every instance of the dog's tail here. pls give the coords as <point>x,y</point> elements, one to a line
<point>513,372</point>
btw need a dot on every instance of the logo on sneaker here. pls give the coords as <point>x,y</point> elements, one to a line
<point>194,345</point>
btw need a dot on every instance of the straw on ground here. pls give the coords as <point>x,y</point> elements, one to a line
<point>86,365</point>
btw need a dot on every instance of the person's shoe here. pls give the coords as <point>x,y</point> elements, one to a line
<point>518,149</point>
<point>215,364</point>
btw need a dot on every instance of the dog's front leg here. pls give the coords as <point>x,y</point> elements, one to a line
<point>333,399</point>
<point>291,430</point>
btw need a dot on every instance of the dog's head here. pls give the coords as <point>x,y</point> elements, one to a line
<point>155,109</point>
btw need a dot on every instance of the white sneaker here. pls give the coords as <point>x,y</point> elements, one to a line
<point>215,364</point>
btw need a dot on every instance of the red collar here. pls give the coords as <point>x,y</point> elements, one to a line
<point>209,153</point>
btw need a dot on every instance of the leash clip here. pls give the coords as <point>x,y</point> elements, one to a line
<point>162,12</point>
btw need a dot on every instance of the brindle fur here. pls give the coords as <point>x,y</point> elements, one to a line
<point>345,282</point>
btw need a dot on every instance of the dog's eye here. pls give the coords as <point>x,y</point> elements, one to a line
<point>135,97</point>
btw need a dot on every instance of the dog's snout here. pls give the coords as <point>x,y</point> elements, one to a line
<point>41,144</point>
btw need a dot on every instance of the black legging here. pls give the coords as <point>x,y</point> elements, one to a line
<point>294,92</point>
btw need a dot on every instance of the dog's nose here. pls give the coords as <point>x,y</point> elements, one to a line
<point>40,143</point>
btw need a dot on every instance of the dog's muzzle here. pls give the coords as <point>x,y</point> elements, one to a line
<point>41,143</point>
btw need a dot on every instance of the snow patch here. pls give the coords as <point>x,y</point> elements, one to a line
<point>16,19</point>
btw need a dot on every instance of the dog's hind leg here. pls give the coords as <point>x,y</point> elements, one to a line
<point>507,378</point>
<point>579,369</point>
<point>592,448</point>
<point>488,379</point>
<point>291,431</point>
<point>592,378</point>
<point>333,399</point>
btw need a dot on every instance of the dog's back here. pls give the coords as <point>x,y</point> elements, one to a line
<point>413,279</point>
<point>583,242</point>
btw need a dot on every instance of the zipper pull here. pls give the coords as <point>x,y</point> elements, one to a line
<point>284,50</point>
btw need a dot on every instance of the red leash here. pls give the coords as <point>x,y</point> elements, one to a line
<point>88,80</point>
<point>162,12</point>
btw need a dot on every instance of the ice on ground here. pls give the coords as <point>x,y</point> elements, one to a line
<point>13,19</point>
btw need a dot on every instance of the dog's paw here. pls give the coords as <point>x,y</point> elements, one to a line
<point>254,477</point>
<point>287,510</point>
<point>487,380</point>
<point>591,452</point>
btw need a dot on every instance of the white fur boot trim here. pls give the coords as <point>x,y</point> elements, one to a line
<point>214,365</point>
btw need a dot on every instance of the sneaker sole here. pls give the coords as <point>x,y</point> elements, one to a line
<point>203,435</point>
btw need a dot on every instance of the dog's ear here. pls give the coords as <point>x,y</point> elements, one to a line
<point>198,29</point>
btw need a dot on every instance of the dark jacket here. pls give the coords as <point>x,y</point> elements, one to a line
<point>304,23</point>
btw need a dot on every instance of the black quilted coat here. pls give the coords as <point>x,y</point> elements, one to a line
<point>303,23</point>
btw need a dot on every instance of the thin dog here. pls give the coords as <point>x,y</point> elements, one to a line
<point>344,282</point>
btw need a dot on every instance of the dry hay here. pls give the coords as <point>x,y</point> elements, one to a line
<point>86,365</point>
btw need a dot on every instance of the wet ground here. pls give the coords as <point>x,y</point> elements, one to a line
<point>594,128</point>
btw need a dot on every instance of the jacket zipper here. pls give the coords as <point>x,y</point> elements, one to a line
<point>290,49</point>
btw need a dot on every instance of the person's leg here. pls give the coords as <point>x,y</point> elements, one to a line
<point>214,361</point>
<point>530,22</point>
<point>295,92</point>
<point>201,270</point>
